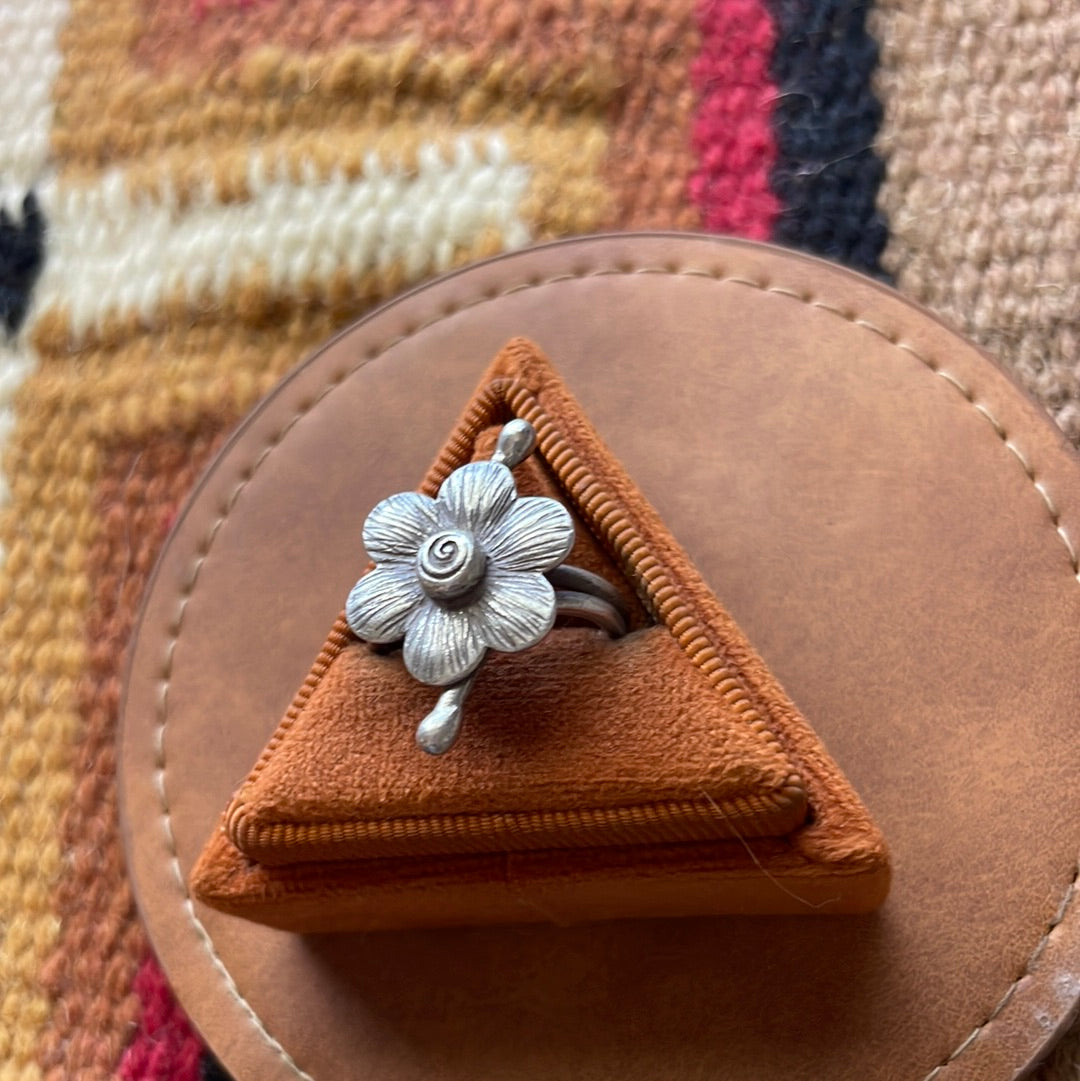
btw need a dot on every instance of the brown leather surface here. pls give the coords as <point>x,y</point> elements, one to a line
<point>886,516</point>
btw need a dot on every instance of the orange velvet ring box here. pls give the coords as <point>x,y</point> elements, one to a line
<point>664,773</point>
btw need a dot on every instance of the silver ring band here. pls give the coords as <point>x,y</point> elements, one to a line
<point>577,580</point>
<point>590,609</point>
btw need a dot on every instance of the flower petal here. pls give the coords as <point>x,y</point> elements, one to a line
<point>397,527</point>
<point>515,610</point>
<point>441,644</point>
<point>379,606</point>
<point>536,535</point>
<point>476,495</point>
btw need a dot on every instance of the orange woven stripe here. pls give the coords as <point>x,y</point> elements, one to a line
<point>90,975</point>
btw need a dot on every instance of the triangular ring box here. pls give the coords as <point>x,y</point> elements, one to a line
<point>662,774</point>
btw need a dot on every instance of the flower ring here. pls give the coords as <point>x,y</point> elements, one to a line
<point>469,571</point>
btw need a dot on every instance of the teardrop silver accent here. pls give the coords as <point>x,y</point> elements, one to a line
<point>517,440</point>
<point>439,730</point>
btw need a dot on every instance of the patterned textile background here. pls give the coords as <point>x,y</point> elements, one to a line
<point>197,192</point>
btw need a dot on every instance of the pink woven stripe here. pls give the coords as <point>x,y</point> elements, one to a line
<point>165,1047</point>
<point>732,135</point>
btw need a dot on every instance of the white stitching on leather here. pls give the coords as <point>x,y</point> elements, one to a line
<point>1005,999</point>
<point>203,553</point>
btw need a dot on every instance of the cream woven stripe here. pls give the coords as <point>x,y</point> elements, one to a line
<point>982,193</point>
<point>30,61</point>
<point>114,253</point>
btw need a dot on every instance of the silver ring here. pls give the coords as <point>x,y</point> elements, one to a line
<point>474,569</point>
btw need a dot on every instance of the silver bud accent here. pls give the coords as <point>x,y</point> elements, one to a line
<point>438,731</point>
<point>516,442</point>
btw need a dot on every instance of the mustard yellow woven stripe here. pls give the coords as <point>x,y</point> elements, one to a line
<point>44,593</point>
<point>111,111</point>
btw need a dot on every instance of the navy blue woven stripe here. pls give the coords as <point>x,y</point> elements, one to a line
<point>212,1070</point>
<point>827,175</point>
<point>22,253</point>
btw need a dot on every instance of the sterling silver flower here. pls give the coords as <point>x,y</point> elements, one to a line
<point>462,573</point>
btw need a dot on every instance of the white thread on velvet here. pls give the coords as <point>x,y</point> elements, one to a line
<point>175,626</point>
<point>112,253</point>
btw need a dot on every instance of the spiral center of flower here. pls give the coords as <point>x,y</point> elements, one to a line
<point>450,564</point>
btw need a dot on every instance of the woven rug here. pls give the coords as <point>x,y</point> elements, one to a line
<point>197,192</point>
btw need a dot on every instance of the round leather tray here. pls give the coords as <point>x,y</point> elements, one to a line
<point>893,524</point>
